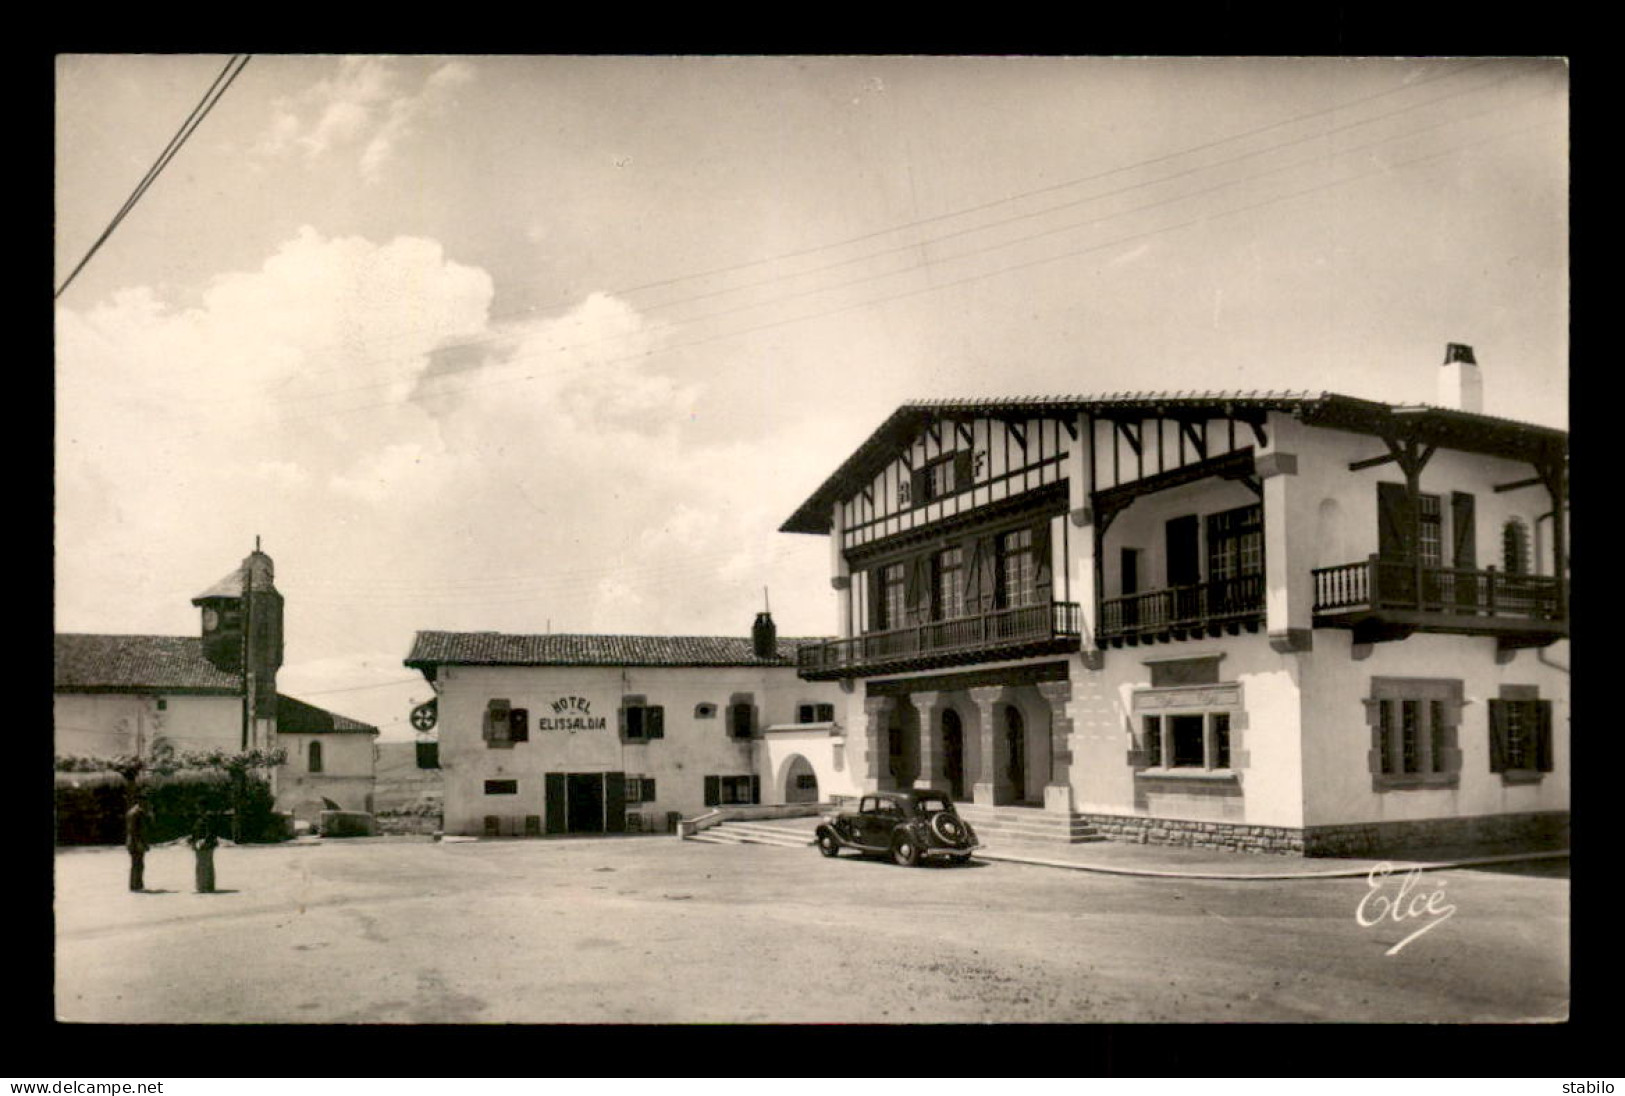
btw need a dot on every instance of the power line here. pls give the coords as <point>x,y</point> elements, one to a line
<point>964,211</point>
<point>188,127</point>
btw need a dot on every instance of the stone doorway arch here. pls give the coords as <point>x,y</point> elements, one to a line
<point>800,781</point>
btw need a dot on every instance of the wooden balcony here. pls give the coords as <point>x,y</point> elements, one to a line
<point>1389,599</point>
<point>1049,628</point>
<point>1184,612</point>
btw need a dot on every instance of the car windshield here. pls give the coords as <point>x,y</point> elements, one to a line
<point>933,804</point>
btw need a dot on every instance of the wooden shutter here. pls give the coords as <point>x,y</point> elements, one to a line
<point>496,721</point>
<point>1396,522</point>
<point>755,788</point>
<point>614,802</point>
<point>1043,565</point>
<point>713,790</point>
<point>1498,736</point>
<point>1463,531</point>
<point>962,469</point>
<point>655,722</point>
<point>877,599</point>
<point>519,725</point>
<point>1543,734</point>
<point>554,803</point>
<point>1183,562</point>
<point>649,789</point>
<point>917,589</point>
<point>984,576</point>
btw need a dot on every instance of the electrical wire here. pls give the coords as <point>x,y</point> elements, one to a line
<point>188,127</point>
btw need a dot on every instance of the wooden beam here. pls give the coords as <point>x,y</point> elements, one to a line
<point>1533,481</point>
<point>935,431</point>
<point>1198,437</point>
<point>1018,432</point>
<point>1372,462</point>
<point>1131,436</point>
<point>1071,428</point>
<point>965,435</point>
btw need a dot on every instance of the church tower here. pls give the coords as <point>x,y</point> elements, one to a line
<point>242,634</point>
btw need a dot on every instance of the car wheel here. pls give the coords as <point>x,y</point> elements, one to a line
<point>904,851</point>
<point>827,843</point>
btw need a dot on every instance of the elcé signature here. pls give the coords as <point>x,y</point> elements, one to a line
<point>1378,906</point>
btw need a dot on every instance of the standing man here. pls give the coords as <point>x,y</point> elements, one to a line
<point>203,842</point>
<point>135,839</point>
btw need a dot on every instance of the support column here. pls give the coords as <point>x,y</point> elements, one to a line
<point>1081,571</point>
<point>1058,791</point>
<point>985,791</point>
<point>931,775</point>
<point>877,712</point>
<point>840,573</point>
<point>1289,581</point>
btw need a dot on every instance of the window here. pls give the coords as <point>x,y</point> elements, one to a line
<point>726,790</point>
<point>640,720</point>
<point>1515,547</point>
<point>1413,732</point>
<point>1017,574</point>
<point>948,584</point>
<point>815,713</point>
<point>705,711</point>
<point>1189,733</point>
<point>502,787</point>
<point>741,715</point>
<point>893,597</point>
<point>1187,737</point>
<point>519,725</point>
<point>940,478</point>
<point>314,757</point>
<point>1430,530</point>
<point>1520,734</point>
<point>1235,543</point>
<point>640,789</point>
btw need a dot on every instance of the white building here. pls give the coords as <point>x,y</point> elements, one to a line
<point>615,733</point>
<point>1296,622</point>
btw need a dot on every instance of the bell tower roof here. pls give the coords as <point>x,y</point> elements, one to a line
<point>257,565</point>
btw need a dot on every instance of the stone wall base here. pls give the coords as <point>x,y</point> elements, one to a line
<point>1543,829</point>
<point>1548,829</point>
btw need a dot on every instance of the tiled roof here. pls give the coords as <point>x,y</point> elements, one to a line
<point>431,649</point>
<point>107,663</point>
<point>297,717</point>
<point>1470,431</point>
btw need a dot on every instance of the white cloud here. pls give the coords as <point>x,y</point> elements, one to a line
<point>370,103</point>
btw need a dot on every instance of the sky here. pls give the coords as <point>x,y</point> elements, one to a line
<point>530,344</point>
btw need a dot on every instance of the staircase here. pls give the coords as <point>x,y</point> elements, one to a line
<point>999,826</point>
<point>753,833</point>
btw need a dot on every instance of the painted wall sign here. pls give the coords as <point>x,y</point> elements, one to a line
<point>572,713</point>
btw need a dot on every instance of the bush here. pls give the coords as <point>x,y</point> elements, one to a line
<point>90,809</point>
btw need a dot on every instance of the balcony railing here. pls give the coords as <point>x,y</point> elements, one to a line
<point>1001,633</point>
<point>1377,585</point>
<point>1226,604</point>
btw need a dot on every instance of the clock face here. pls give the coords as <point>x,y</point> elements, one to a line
<point>211,620</point>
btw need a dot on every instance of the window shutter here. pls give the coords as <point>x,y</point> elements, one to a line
<point>755,788</point>
<point>916,487</point>
<point>805,713</point>
<point>917,589</point>
<point>962,469</point>
<point>713,790</point>
<point>655,722</point>
<point>1498,736</point>
<point>614,802</point>
<point>1042,565</point>
<point>519,725</point>
<point>987,575</point>
<point>554,804</point>
<point>620,719</point>
<point>1396,522</point>
<point>877,599</point>
<point>496,721</point>
<point>1463,531</point>
<point>1543,735</point>
<point>649,789</point>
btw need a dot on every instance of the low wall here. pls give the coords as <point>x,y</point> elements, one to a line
<point>408,823</point>
<point>1544,830</point>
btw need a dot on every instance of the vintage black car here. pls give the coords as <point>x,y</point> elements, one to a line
<point>908,826</point>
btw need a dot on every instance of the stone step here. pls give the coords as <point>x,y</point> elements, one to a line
<point>731,833</point>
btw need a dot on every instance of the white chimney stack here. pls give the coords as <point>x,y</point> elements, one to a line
<point>1461,388</point>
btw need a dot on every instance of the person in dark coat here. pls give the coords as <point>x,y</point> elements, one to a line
<point>203,842</point>
<point>136,824</point>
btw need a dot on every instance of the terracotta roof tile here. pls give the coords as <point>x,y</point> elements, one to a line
<point>497,649</point>
<point>126,662</point>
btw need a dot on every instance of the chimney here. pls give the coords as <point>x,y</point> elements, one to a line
<point>1460,386</point>
<point>764,637</point>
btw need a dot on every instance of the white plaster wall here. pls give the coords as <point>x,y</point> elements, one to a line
<point>825,752</point>
<point>1142,525</point>
<point>1337,738</point>
<point>110,723</point>
<point>691,749</point>
<point>1104,719</point>
<point>348,767</point>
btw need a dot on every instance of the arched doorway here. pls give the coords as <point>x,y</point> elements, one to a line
<point>1015,740</point>
<point>800,781</point>
<point>953,753</point>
